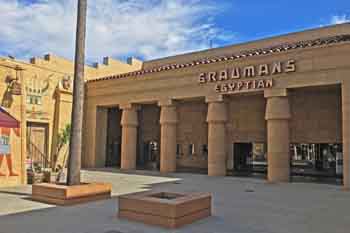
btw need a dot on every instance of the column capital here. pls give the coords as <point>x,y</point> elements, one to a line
<point>168,115</point>
<point>166,102</point>
<point>277,108</point>
<point>214,98</point>
<point>276,92</point>
<point>217,112</point>
<point>129,106</point>
<point>129,117</point>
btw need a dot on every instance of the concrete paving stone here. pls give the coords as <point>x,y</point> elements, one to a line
<point>242,205</point>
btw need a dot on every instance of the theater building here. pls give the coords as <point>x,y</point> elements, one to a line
<point>278,106</point>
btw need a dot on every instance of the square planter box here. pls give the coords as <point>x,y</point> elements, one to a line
<point>60,194</point>
<point>34,178</point>
<point>50,177</point>
<point>170,210</point>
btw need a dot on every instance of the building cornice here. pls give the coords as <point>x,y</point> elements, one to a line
<point>237,56</point>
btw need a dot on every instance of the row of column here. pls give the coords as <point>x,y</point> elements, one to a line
<point>277,117</point>
<point>168,121</point>
<point>278,136</point>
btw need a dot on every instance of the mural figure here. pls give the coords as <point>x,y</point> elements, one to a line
<point>7,122</point>
<point>66,83</point>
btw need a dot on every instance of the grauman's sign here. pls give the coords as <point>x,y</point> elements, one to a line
<point>238,74</point>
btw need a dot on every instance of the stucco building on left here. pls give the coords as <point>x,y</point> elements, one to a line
<point>38,94</point>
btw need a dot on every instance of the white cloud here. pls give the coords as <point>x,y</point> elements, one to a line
<point>338,19</point>
<point>147,28</point>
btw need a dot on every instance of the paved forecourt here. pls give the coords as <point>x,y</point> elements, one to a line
<point>239,205</point>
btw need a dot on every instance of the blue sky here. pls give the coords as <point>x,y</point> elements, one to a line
<point>155,28</point>
<point>257,19</point>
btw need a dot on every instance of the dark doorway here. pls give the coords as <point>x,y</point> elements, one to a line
<point>150,157</point>
<point>148,137</point>
<point>113,156</point>
<point>242,154</point>
<point>250,159</point>
<point>114,137</point>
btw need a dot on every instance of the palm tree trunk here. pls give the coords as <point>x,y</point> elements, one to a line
<point>75,147</point>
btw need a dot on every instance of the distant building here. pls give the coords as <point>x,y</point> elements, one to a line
<point>38,95</point>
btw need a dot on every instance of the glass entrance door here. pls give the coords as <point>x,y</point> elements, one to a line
<point>320,161</point>
<point>242,155</point>
<point>250,158</point>
<point>150,157</point>
<point>113,157</point>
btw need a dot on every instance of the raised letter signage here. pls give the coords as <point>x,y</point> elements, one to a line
<point>250,71</point>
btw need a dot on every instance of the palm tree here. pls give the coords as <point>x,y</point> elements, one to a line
<point>75,147</point>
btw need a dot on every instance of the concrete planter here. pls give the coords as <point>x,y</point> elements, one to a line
<point>60,194</point>
<point>169,210</point>
<point>50,176</point>
<point>34,178</point>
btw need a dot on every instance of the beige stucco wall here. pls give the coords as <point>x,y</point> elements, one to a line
<point>316,115</point>
<point>192,129</point>
<point>149,123</point>
<point>246,119</point>
<point>315,66</point>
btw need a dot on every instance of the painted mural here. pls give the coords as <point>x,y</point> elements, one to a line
<point>7,124</point>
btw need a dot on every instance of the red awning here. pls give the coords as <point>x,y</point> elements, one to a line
<point>6,120</point>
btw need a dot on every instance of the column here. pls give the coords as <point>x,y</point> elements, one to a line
<point>168,121</point>
<point>129,123</point>
<point>277,116</point>
<point>89,135</point>
<point>346,133</point>
<point>217,118</point>
<point>63,107</point>
<point>101,136</point>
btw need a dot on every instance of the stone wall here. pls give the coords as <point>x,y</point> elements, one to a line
<point>149,126</point>
<point>192,128</point>
<point>316,115</point>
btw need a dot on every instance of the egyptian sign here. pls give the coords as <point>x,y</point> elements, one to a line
<point>247,77</point>
<point>37,89</point>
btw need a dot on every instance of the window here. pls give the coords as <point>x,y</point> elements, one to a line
<point>205,150</point>
<point>34,99</point>
<point>316,159</point>
<point>258,157</point>
<point>191,149</point>
<point>178,151</point>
